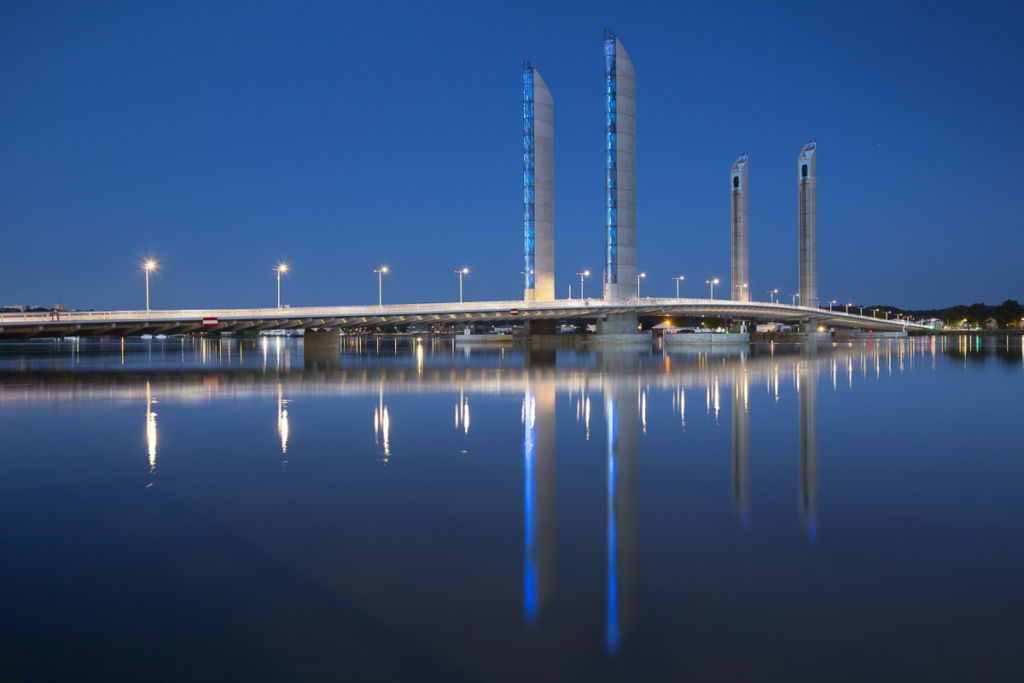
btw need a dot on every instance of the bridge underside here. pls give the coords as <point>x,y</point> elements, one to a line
<point>135,323</point>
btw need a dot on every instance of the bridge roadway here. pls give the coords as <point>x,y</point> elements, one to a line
<point>133,323</point>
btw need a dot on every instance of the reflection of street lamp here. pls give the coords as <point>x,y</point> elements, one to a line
<point>641,275</point>
<point>461,272</point>
<point>281,268</point>
<point>712,282</point>
<point>148,266</point>
<point>771,295</point>
<point>380,284</point>
<point>677,279</point>
<point>585,273</point>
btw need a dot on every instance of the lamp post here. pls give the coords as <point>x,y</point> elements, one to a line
<point>795,297</point>
<point>712,282</point>
<point>830,305</point>
<point>461,272</point>
<point>585,273</point>
<point>862,310</point>
<point>641,275</point>
<point>380,284</point>
<point>848,307</point>
<point>771,295</point>
<point>281,268</point>
<point>678,279</point>
<point>148,266</point>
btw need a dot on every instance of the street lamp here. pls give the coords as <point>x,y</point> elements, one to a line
<point>712,282</point>
<point>461,272</point>
<point>380,284</point>
<point>848,307</point>
<point>771,295</point>
<point>585,273</point>
<point>795,297</point>
<point>641,275</point>
<point>678,279</point>
<point>281,268</point>
<point>830,305</point>
<point>148,266</point>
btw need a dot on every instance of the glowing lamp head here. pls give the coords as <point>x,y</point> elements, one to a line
<point>150,265</point>
<point>715,280</point>
<point>643,274</point>
<point>383,269</point>
<point>586,273</point>
<point>465,270</point>
<point>282,268</point>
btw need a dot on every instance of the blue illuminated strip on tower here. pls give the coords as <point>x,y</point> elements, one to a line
<point>529,237</point>
<point>610,166</point>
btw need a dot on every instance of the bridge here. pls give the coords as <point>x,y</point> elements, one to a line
<point>52,324</point>
<point>615,314</point>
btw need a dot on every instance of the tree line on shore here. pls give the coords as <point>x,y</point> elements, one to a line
<point>1008,314</point>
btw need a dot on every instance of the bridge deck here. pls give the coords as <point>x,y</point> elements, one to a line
<point>131,323</point>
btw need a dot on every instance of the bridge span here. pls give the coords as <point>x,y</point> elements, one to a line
<point>133,323</point>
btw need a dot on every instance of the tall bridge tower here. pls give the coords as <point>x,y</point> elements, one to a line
<point>619,171</point>
<point>538,187</point>
<point>740,230</point>
<point>807,190</point>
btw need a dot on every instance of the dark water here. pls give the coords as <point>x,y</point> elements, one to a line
<point>186,511</point>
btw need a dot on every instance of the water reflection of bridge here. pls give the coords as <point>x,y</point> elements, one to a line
<point>618,381</point>
<point>224,374</point>
<point>625,407</point>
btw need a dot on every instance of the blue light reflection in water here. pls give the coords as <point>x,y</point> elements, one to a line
<point>611,633</point>
<point>529,521</point>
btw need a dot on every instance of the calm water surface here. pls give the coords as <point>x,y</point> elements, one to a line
<point>244,510</point>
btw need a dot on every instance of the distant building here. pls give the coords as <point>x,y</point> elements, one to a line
<point>773,327</point>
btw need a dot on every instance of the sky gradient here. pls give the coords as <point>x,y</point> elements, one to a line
<point>222,138</point>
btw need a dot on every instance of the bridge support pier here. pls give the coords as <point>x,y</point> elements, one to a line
<point>809,331</point>
<point>534,327</point>
<point>321,349</point>
<point>617,323</point>
<point>619,328</point>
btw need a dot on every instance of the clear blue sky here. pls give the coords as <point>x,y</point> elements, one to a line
<point>220,138</point>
